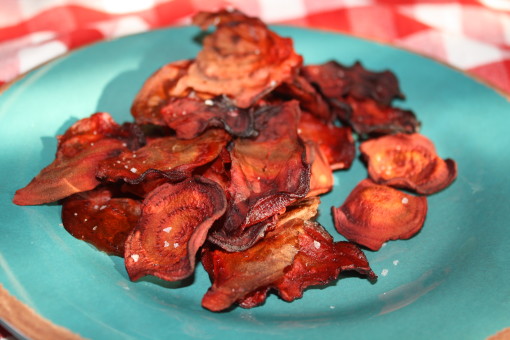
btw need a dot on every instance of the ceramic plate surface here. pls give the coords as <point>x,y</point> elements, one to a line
<point>449,281</point>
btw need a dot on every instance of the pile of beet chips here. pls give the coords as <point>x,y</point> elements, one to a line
<point>225,162</point>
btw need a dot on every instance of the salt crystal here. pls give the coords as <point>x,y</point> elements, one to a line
<point>395,262</point>
<point>94,228</point>
<point>167,229</point>
<point>405,200</point>
<point>316,244</point>
<point>102,207</point>
<point>384,272</point>
<point>176,245</point>
<point>134,170</point>
<point>135,257</point>
<point>166,244</point>
<point>208,102</point>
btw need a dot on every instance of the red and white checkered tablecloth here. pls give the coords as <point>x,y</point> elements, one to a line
<point>471,35</point>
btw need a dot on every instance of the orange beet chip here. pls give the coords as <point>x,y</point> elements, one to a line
<point>289,259</point>
<point>335,142</point>
<point>173,226</point>
<point>242,59</point>
<point>99,218</point>
<point>408,161</point>
<point>373,214</point>
<point>169,157</point>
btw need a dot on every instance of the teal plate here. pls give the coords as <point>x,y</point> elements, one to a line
<point>449,281</point>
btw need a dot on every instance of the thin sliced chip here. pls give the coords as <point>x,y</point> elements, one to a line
<point>321,180</point>
<point>408,161</point>
<point>99,218</point>
<point>241,59</point>
<point>373,214</point>
<point>336,80</point>
<point>320,260</point>
<point>169,157</point>
<point>335,142</point>
<point>309,99</point>
<point>267,174</point>
<point>173,226</point>
<point>189,117</point>
<point>368,118</point>
<point>294,256</point>
<point>155,92</point>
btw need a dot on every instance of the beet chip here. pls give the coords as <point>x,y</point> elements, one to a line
<point>267,174</point>
<point>85,144</point>
<point>173,226</point>
<point>335,142</point>
<point>242,59</point>
<point>408,161</point>
<point>289,259</point>
<point>98,218</point>
<point>368,118</point>
<point>170,157</point>
<point>336,80</point>
<point>191,116</point>
<point>373,214</point>
<point>155,93</point>
<point>321,180</point>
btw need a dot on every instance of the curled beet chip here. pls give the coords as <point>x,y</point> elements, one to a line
<point>408,161</point>
<point>295,255</point>
<point>373,214</point>
<point>169,156</point>
<point>155,93</point>
<point>173,226</point>
<point>335,142</point>
<point>189,117</point>
<point>319,261</point>
<point>336,80</point>
<point>267,173</point>
<point>368,118</point>
<point>241,59</point>
<point>99,218</point>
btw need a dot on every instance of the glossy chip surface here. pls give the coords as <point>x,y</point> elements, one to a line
<point>373,214</point>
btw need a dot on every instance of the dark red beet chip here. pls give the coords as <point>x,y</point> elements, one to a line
<point>170,157</point>
<point>189,117</point>
<point>174,224</point>
<point>100,219</point>
<point>373,214</point>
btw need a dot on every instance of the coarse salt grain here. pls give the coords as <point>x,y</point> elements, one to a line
<point>135,257</point>
<point>208,102</point>
<point>134,170</point>
<point>166,244</point>
<point>167,229</point>
<point>395,262</point>
<point>405,200</point>
<point>176,245</point>
<point>316,244</point>
<point>384,272</point>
